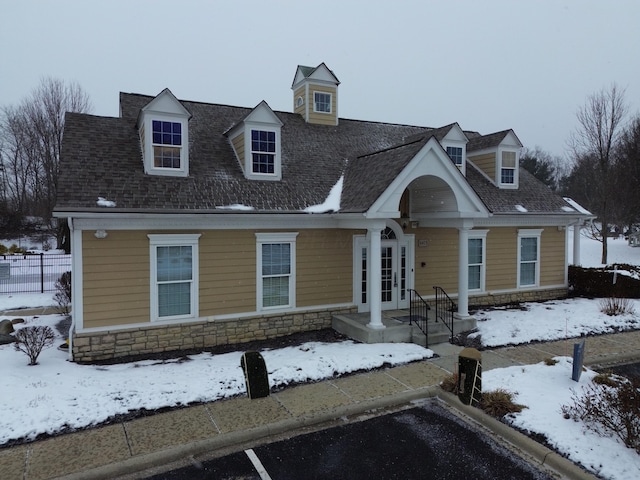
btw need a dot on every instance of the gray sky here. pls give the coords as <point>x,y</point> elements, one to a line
<point>489,65</point>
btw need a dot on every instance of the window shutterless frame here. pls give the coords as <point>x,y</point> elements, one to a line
<point>529,257</point>
<point>174,276</point>
<point>275,271</point>
<point>322,102</point>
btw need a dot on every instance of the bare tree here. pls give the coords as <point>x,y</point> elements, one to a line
<point>32,137</point>
<point>600,122</point>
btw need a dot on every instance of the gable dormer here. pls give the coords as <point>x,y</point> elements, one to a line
<point>315,95</point>
<point>455,144</point>
<point>256,143</point>
<point>163,126</point>
<point>497,155</point>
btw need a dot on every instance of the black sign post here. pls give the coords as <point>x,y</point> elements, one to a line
<point>578,360</point>
<point>255,374</point>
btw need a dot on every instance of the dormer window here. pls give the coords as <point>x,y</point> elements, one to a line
<point>508,168</point>
<point>321,102</point>
<point>263,151</point>
<point>455,153</point>
<point>256,143</point>
<point>163,127</point>
<point>167,144</point>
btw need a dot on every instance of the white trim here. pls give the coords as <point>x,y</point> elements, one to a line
<point>529,233</point>
<point>162,240</point>
<point>248,156</point>
<point>147,144</point>
<point>77,295</point>
<point>268,238</point>
<point>482,235</point>
<point>499,168</point>
<point>330,102</point>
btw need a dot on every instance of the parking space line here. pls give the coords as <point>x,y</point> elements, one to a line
<point>257,464</point>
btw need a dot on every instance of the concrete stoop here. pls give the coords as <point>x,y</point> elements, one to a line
<point>396,330</point>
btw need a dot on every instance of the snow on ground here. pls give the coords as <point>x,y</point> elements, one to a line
<point>56,393</point>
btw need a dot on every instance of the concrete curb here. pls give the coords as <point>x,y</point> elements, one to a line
<point>536,451</point>
<point>181,452</point>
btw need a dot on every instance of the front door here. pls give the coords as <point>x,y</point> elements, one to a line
<point>395,271</point>
<point>389,277</point>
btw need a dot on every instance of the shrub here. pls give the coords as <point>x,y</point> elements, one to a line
<point>16,250</point>
<point>499,403</point>
<point>450,383</point>
<point>550,362</point>
<point>609,407</point>
<point>31,341</point>
<point>3,249</point>
<point>613,306</point>
<point>63,292</point>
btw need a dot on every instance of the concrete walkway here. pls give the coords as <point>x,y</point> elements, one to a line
<point>134,445</point>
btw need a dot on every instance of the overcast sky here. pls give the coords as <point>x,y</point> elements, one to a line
<point>488,65</point>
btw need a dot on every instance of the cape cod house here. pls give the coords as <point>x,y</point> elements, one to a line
<point>197,224</point>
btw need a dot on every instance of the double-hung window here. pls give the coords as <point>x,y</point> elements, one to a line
<point>174,276</point>
<point>263,151</point>
<point>276,270</point>
<point>167,144</point>
<point>455,153</point>
<point>529,257</point>
<point>321,102</point>
<point>508,168</point>
<point>477,255</point>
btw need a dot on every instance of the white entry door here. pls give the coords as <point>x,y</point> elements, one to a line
<point>389,277</point>
<point>395,273</point>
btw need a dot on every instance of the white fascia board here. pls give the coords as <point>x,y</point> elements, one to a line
<point>263,114</point>
<point>526,220</point>
<point>324,75</point>
<point>224,221</point>
<point>438,164</point>
<point>456,135</point>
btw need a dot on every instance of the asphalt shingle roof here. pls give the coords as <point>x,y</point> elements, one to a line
<point>101,157</point>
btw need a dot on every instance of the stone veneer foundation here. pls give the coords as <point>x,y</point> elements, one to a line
<point>112,344</point>
<point>516,297</point>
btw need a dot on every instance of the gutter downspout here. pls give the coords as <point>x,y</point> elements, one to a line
<point>74,297</point>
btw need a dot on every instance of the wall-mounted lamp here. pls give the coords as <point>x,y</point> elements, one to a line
<point>100,234</point>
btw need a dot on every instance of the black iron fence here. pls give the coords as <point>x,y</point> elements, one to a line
<point>32,273</point>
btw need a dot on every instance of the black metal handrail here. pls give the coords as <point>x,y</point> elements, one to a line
<point>418,313</point>
<point>444,309</point>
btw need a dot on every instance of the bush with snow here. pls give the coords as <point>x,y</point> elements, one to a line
<point>31,341</point>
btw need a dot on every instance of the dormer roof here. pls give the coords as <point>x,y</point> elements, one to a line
<point>493,140</point>
<point>321,74</point>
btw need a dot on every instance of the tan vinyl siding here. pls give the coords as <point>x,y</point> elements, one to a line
<point>115,273</point>
<point>486,163</point>
<point>502,257</point>
<point>238,146</point>
<point>227,272</point>
<point>299,92</point>
<point>324,260</point>
<point>440,257</point>
<point>552,257</point>
<point>320,118</point>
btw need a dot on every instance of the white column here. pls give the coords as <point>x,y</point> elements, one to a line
<point>463,272</point>
<point>576,245</point>
<point>375,279</point>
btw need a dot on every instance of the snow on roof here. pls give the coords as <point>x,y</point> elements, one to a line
<point>576,206</point>
<point>235,206</point>
<point>103,202</point>
<point>520,208</point>
<point>332,203</point>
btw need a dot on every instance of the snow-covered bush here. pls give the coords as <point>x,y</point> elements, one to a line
<point>31,341</point>
<point>609,406</point>
<point>616,306</point>
<point>63,292</point>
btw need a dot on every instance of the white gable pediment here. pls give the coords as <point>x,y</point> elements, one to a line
<point>166,102</point>
<point>511,140</point>
<point>455,135</point>
<point>431,167</point>
<point>320,74</point>
<point>263,113</point>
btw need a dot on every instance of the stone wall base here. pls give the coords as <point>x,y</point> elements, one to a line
<point>154,339</point>
<point>517,297</point>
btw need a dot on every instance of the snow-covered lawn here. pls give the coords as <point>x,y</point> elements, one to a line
<point>57,394</point>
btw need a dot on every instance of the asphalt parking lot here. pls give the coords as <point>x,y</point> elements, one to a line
<point>422,442</point>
